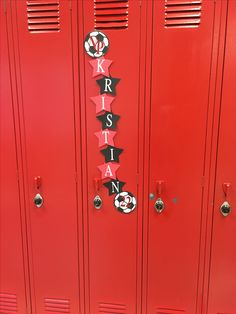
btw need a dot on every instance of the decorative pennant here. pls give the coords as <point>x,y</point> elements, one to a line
<point>100,66</point>
<point>111,153</point>
<point>102,102</point>
<point>108,170</point>
<point>108,120</point>
<point>105,137</point>
<point>125,202</point>
<point>114,186</point>
<point>108,85</point>
<point>96,44</point>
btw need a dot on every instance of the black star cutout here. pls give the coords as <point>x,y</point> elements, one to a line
<point>108,85</point>
<point>111,153</point>
<point>114,186</point>
<point>108,120</point>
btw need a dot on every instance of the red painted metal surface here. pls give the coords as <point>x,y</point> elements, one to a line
<point>88,261</point>
<point>113,241</point>
<point>179,107</point>
<point>46,110</point>
<point>222,288</point>
<point>12,274</point>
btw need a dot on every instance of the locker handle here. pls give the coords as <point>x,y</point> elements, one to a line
<point>225,208</point>
<point>159,204</point>
<point>226,187</point>
<point>38,199</point>
<point>37,182</point>
<point>97,201</point>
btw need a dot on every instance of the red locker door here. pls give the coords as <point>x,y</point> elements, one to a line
<point>12,275</point>
<point>48,136</point>
<point>222,289</point>
<point>112,235</point>
<point>181,64</point>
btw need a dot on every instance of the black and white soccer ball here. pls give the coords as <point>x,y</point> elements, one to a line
<point>125,202</point>
<point>96,44</point>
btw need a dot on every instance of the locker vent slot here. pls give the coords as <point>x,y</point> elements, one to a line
<point>57,305</point>
<point>43,16</point>
<point>182,13</point>
<point>111,14</point>
<point>8,303</point>
<point>112,308</point>
<point>169,311</point>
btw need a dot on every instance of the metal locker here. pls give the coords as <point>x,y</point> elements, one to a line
<point>112,242</point>
<point>43,56</point>
<point>181,72</point>
<point>222,287</point>
<point>70,248</point>
<point>13,278</point>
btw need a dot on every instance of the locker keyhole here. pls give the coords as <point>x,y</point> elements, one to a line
<point>159,205</point>
<point>38,200</point>
<point>97,202</point>
<point>225,209</point>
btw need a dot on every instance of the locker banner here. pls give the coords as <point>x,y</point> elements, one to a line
<point>96,44</point>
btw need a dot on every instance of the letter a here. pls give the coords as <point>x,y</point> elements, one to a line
<point>108,172</point>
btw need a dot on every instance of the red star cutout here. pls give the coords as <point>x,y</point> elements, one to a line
<point>105,137</point>
<point>108,170</point>
<point>100,66</point>
<point>102,102</point>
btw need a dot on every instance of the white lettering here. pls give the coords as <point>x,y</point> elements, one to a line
<point>108,172</point>
<point>108,83</point>
<point>106,136</point>
<point>112,154</point>
<point>116,187</point>
<point>103,102</point>
<point>109,117</point>
<point>99,67</point>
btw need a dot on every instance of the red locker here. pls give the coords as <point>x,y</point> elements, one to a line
<point>112,240</point>
<point>222,288</point>
<point>65,255</point>
<point>181,73</point>
<point>12,274</point>
<point>44,74</point>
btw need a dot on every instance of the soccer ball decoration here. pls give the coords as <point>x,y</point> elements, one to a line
<point>125,202</point>
<point>96,44</point>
